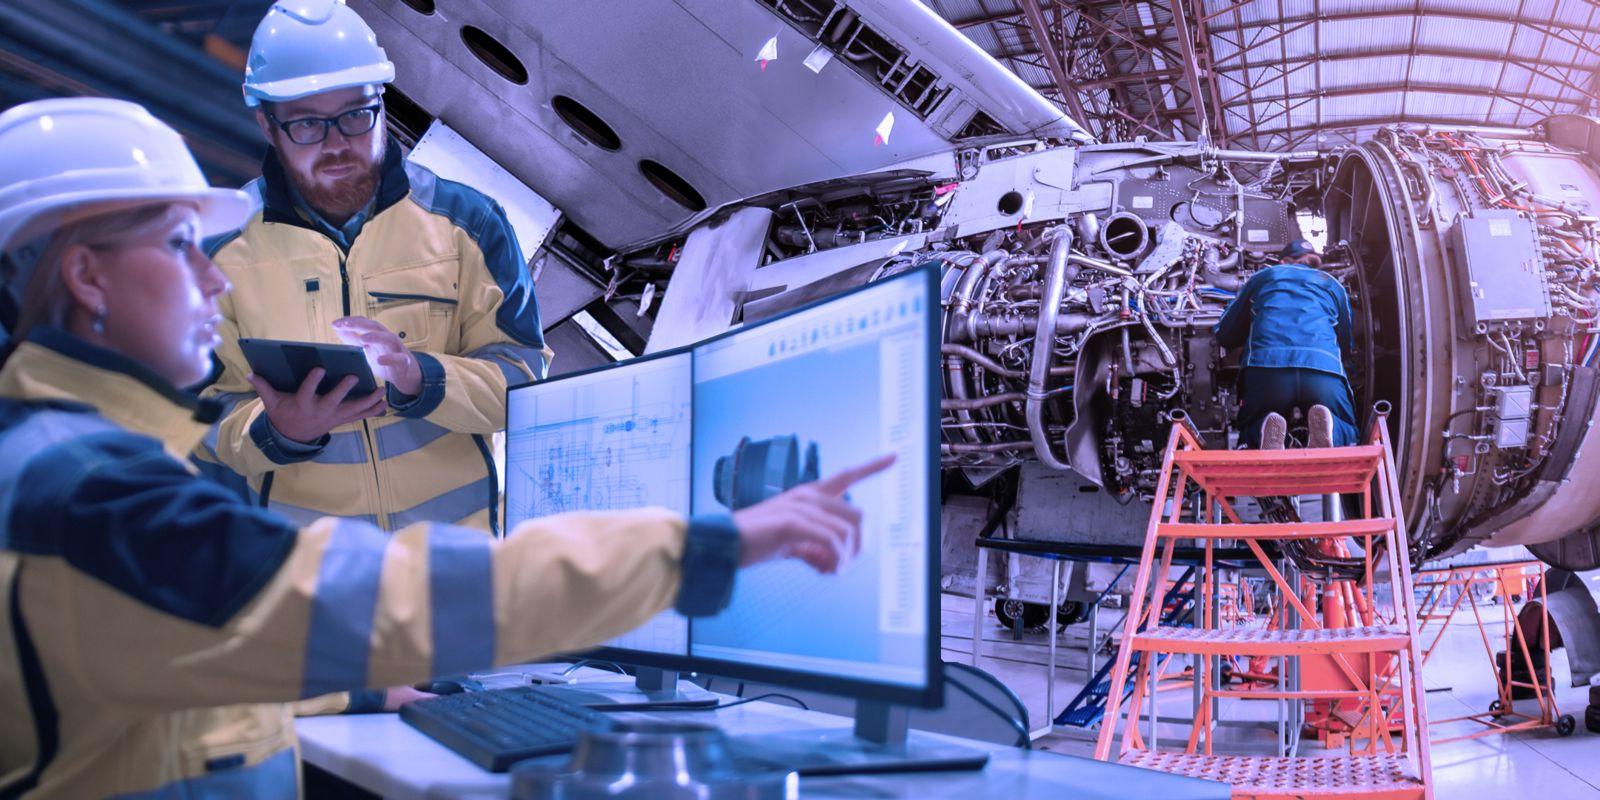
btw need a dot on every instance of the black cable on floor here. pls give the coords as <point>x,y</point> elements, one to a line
<point>1016,724</point>
<point>797,701</point>
<point>576,665</point>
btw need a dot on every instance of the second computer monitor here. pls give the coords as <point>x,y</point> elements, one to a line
<point>611,439</point>
<point>801,397</point>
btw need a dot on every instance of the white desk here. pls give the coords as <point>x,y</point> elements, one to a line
<point>380,753</point>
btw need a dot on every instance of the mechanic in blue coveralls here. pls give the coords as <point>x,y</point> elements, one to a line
<point>1293,321</point>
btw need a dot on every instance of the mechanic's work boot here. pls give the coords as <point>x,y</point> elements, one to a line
<point>1273,429</point>
<point>1320,422</point>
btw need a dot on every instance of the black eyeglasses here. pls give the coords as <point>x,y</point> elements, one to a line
<point>312,130</point>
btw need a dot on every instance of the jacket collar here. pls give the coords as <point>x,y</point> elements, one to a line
<point>53,365</point>
<point>278,205</point>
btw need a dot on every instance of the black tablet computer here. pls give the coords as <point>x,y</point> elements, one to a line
<point>285,365</point>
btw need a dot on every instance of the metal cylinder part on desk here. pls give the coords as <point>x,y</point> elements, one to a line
<point>656,760</point>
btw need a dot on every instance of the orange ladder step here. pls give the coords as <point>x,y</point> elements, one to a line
<point>1377,526</point>
<point>1262,642</point>
<point>1233,473</point>
<point>1390,777</point>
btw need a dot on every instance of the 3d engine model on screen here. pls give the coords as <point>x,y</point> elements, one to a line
<point>757,470</point>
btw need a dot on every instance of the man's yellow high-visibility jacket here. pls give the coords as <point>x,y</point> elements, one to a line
<point>437,263</point>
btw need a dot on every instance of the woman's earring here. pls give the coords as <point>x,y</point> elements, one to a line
<point>99,322</point>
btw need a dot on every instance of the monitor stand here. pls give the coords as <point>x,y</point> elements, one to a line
<point>649,690</point>
<point>881,741</point>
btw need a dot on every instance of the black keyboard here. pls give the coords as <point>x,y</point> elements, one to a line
<point>498,728</point>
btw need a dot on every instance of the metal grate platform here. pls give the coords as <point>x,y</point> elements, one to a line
<point>1382,776</point>
<point>1264,642</point>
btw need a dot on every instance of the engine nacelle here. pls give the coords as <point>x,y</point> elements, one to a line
<point>1473,261</point>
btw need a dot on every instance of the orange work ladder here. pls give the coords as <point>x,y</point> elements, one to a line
<point>1195,500</point>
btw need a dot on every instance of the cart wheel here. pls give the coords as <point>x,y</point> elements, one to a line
<point>1007,611</point>
<point>1071,612</point>
<point>1497,708</point>
<point>1566,725</point>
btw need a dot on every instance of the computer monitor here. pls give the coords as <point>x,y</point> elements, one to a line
<point>800,396</point>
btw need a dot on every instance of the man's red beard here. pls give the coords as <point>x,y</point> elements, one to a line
<point>343,197</point>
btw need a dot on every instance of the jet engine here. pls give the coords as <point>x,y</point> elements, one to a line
<point>1081,286</point>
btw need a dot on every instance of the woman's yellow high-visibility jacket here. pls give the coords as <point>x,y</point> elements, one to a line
<point>155,625</point>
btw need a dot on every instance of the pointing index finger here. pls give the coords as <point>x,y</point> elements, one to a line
<point>837,483</point>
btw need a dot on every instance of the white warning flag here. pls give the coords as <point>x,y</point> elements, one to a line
<point>884,128</point>
<point>769,52</point>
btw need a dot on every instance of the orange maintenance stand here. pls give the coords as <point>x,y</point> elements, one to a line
<point>1378,659</point>
<point>1446,590</point>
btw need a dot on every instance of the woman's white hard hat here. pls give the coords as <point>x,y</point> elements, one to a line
<point>59,156</point>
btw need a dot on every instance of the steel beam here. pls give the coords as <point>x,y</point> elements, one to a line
<point>1385,88</point>
<point>1431,13</point>
<point>1112,111</point>
<point>1259,43</point>
<point>1556,32</point>
<point>1204,41</point>
<point>1201,76</point>
<point>1146,46</point>
<point>1244,64</point>
<point>1137,77</point>
<point>1594,108</point>
<point>1379,121</point>
<point>1439,52</point>
<point>1191,70</point>
<point>1283,50</point>
<point>987,19</point>
<point>230,157</point>
<point>1047,47</point>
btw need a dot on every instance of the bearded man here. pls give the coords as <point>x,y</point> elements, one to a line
<point>353,243</point>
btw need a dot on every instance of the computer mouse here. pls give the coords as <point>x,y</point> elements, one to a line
<point>454,685</point>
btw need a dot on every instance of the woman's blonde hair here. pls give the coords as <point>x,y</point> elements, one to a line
<point>45,299</point>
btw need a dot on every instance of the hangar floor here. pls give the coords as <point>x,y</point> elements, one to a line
<point>1530,764</point>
